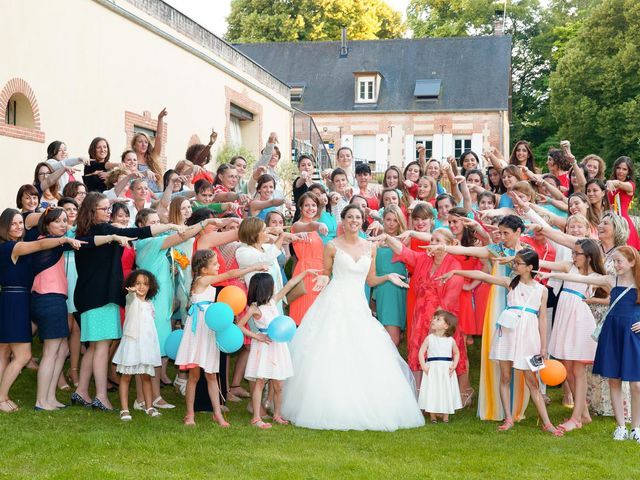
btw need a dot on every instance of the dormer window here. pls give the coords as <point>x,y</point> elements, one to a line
<point>296,92</point>
<point>367,87</point>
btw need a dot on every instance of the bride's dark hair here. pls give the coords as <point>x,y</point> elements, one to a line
<point>346,209</point>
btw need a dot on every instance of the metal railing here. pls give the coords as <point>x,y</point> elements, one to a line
<point>306,140</point>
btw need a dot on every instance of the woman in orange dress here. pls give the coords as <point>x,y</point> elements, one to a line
<point>308,252</point>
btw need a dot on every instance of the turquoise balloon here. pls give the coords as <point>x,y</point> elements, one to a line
<point>218,316</point>
<point>282,329</point>
<point>230,339</point>
<point>172,343</point>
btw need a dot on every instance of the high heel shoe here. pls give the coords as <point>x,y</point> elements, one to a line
<point>76,399</point>
<point>467,397</point>
<point>100,406</point>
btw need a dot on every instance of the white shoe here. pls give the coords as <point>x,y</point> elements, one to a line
<point>620,433</point>
<point>152,412</point>
<point>180,384</point>
<point>139,406</point>
<point>635,434</point>
<point>165,405</point>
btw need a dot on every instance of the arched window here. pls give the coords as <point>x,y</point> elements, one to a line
<point>19,114</point>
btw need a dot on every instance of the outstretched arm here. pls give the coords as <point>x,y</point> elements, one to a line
<point>477,275</point>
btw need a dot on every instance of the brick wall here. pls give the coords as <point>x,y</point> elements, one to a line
<point>13,86</point>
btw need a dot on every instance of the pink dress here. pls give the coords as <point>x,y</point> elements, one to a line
<point>620,201</point>
<point>268,360</point>
<point>574,324</point>
<point>522,341</point>
<point>198,346</point>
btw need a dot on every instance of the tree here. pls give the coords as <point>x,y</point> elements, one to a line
<point>539,34</point>
<point>298,20</point>
<point>595,94</point>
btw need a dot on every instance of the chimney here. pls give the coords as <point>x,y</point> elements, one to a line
<point>498,22</point>
<point>344,50</point>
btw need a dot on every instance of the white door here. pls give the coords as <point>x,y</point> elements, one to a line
<point>364,148</point>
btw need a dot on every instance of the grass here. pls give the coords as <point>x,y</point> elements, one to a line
<point>80,443</point>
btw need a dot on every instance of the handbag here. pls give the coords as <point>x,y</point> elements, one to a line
<point>596,333</point>
<point>510,317</point>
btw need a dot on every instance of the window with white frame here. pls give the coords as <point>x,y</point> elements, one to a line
<point>427,142</point>
<point>461,144</point>
<point>366,89</point>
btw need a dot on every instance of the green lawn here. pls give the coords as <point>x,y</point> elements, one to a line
<point>80,443</point>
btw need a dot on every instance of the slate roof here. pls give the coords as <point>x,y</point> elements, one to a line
<point>475,72</point>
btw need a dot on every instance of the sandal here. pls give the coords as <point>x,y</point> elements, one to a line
<point>8,406</point>
<point>569,425</point>
<point>467,397</point>
<point>567,401</point>
<point>257,422</point>
<point>506,425</point>
<point>549,428</point>
<point>152,412</point>
<point>189,420</point>
<point>279,420</point>
<point>125,416</point>
<point>239,391</point>
<point>221,421</point>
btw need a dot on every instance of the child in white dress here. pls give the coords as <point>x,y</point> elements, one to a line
<point>139,350</point>
<point>439,390</point>
<point>268,360</point>
<point>511,346</point>
<point>198,347</point>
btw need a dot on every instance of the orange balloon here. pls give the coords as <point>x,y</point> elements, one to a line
<point>234,297</point>
<point>553,373</point>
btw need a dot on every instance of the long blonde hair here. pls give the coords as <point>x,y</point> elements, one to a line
<point>149,157</point>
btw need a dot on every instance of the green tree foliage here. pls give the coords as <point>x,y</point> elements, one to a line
<point>539,32</point>
<point>298,20</point>
<point>595,92</point>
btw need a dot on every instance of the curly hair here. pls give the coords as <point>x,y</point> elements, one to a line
<point>131,279</point>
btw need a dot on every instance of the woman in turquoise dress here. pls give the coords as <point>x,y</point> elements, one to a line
<point>391,300</point>
<point>155,254</point>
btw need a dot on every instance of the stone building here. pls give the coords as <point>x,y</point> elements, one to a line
<point>383,97</point>
<point>76,69</point>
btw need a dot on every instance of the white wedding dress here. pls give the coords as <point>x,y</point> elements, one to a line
<point>348,374</point>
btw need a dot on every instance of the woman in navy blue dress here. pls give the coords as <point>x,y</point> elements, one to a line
<point>618,352</point>
<point>16,279</point>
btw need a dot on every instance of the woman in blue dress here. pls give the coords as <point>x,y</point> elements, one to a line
<point>16,279</point>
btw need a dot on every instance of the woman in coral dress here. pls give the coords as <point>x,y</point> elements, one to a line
<point>620,190</point>
<point>308,252</point>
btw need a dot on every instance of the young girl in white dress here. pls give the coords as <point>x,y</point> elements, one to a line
<point>439,390</point>
<point>574,323</point>
<point>268,360</point>
<point>511,346</point>
<point>198,347</point>
<point>139,350</point>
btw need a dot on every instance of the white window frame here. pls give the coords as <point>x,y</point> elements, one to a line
<point>466,142</point>
<point>423,139</point>
<point>369,82</point>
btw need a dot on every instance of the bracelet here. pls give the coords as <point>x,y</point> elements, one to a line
<point>201,225</point>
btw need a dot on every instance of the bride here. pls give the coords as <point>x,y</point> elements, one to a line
<point>348,373</point>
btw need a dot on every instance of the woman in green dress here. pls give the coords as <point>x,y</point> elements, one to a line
<point>391,300</point>
<point>155,255</point>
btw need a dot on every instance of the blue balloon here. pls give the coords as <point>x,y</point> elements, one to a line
<point>218,316</point>
<point>281,329</point>
<point>172,343</point>
<point>230,339</point>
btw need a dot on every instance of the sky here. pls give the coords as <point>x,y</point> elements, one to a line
<point>212,14</point>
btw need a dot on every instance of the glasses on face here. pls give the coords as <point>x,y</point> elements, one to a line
<point>81,194</point>
<point>44,174</point>
<point>575,254</point>
<point>104,209</point>
<point>516,263</point>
